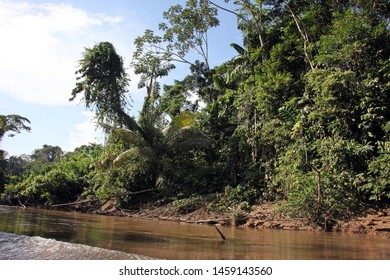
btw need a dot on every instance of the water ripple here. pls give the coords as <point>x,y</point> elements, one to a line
<point>20,247</point>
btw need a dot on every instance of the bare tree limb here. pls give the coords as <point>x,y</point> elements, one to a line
<point>304,36</point>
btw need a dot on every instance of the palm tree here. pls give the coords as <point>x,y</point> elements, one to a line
<point>157,146</point>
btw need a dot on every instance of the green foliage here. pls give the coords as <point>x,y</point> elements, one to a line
<point>188,205</point>
<point>103,82</point>
<point>325,184</point>
<point>188,27</point>
<point>2,171</point>
<point>120,181</point>
<point>378,182</point>
<point>175,99</point>
<point>53,187</point>
<point>17,165</point>
<point>300,114</point>
<point>12,169</point>
<point>151,61</point>
<point>13,123</point>
<point>64,180</point>
<point>153,157</point>
<point>234,198</point>
<point>353,41</point>
<point>42,159</point>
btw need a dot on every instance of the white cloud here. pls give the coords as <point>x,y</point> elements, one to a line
<point>84,133</point>
<point>41,44</point>
<point>194,97</point>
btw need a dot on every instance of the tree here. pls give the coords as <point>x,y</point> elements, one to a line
<point>171,142</point>
<point>185,32</point>
<point>44,157</point>
<point>300,114</point>
<point>188,28</point>
<point>17,166</point>
<point>337,125</point>
<point>251,19</point>
<point>103,82</point>
<point>64,180</point>
<point>13,124</point>
<point>3,165</point>
<point>151,63</point>
<point>314,107</point>
<point>47,154</point>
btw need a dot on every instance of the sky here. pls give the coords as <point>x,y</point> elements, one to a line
<point>41,44</point>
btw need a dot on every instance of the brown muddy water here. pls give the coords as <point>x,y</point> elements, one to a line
<point>44,234</point>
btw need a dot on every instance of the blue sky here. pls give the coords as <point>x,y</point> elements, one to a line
<point>41,44</point>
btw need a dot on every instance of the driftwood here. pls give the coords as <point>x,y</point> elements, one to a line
<point>221,234</point>
<point>77,202</point>
<point>143,191</point>
<point>210,221</point>
<point>97,199</point>
<point>21,204</point>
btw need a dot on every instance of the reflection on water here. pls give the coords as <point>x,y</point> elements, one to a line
<point>171,240</point>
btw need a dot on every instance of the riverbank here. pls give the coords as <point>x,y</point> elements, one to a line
<point>265,216</point>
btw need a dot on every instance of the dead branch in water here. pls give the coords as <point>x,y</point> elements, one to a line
<point>221,234</point>
<point>208,222</point>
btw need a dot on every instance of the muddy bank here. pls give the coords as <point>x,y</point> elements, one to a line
<point>265,216</point>
<point>268,216</point>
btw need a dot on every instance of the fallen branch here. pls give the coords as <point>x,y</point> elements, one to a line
<point>211,221</point>
<point>21,204</point>
<point>143,191</point>
<point>221,234</point>
<point>78,202</point>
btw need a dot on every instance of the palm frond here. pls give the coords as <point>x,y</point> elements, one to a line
<point>184,119</point>
<point>238,48</point>
<point>130,136</point>
<point>239,60</point>
<point>287,113</point>
<point>186,137</point>
<point>134,153</point>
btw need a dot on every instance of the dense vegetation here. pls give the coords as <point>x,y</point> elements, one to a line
<point>300,115</point>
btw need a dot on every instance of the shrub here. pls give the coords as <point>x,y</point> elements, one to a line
<point>188,205</point>
<point>233,199</point>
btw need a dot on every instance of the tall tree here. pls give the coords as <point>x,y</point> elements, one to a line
<point>185,32</point>
<point>188,28</point>
<point>151,63</point>
<point>103,83</point>
<point>13,124</point>
<point>47,154</point>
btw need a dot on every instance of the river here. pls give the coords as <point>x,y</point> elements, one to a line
<point>45,234</point>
